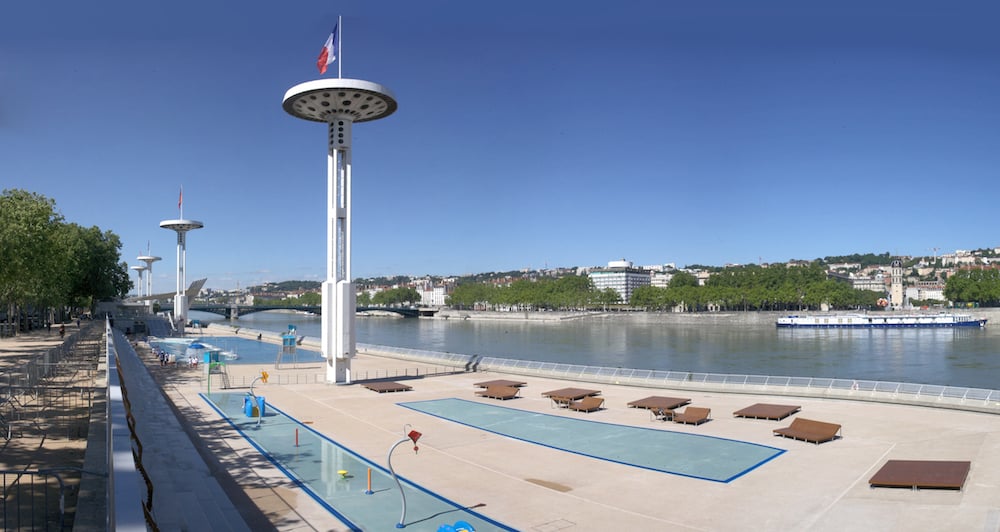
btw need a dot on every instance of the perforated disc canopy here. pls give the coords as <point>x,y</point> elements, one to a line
<point>324,100</point>
<point>181,225</point>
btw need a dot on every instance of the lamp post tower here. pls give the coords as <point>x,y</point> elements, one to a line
<point>181,227</point>
<point>149,260</point>
<point>138,273</point>
<point>339,103</point>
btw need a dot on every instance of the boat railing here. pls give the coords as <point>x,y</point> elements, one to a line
<point>934,395</point>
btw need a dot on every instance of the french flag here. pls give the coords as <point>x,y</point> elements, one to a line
<point>329,53</point>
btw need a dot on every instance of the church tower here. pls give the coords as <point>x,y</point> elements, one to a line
<point>896,285</point>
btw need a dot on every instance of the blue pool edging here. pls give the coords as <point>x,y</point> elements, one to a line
<point>596,457</point>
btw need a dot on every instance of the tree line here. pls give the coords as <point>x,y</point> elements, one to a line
<point>50,267</point>
<point>980,286</point>
<point>777,287</point>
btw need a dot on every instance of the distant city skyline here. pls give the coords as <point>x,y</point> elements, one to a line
<point>528,135</point>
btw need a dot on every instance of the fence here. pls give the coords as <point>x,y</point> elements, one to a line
<point>955,397</point>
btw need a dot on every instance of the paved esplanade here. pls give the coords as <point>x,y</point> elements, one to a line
<point>533,487</point>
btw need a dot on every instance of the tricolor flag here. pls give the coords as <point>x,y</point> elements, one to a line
<point>329,53</point>
<point>180,198</point>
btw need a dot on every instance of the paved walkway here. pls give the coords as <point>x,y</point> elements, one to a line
<point>532,487</point>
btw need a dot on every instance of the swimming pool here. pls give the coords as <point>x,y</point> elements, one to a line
<point>690,455</point>
<point>245,350</point>
<point>313,461</point>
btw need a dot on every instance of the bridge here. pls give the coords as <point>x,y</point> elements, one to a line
<point>235,311</point>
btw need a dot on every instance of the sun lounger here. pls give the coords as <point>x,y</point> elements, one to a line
<point>387,386</point>
<point>693,415</point>
<point>587,404</point>
<point>767,411</point>
<point>809,430</point>
<point>666,414</point>
<point>565,396</point>
<point>657,402</point>
<point>915,474</point>
<point>499,392</point>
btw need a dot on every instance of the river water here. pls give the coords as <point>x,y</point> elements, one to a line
<point>954,357</point>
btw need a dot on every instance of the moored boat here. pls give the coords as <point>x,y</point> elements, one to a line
<point>878,321</point>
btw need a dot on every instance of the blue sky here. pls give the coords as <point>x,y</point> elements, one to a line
<point>528,134</point>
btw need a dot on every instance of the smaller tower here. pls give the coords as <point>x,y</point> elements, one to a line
<point>181,227</point>
<point>138,274</point>
<point>149,260</point>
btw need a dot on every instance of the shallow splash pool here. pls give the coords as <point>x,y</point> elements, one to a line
<point>314,461</point>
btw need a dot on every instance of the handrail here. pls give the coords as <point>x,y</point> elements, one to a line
<point>935,395</point>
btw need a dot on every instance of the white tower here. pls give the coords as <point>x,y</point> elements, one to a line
<point>149,260</point>
<point>138,274</point>
<point>339,103</point>
<point>181,227</point>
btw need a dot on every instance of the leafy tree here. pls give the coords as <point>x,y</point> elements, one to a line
<point>48,264</point>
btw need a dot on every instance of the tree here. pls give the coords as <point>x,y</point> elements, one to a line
<point>48,264</point>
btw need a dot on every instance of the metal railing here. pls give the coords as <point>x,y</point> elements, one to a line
<point>955,397</point>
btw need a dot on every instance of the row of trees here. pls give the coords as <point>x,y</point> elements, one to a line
<point>50,266</point>
<point>776,287</point>
<point>570,292</point>
<point>978,286</point>
<point>745,288</point>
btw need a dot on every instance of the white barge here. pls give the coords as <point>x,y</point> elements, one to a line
<point>876,321</point>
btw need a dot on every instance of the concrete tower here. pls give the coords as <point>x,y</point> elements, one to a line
<point>896,284</point>
<point>181,227</point>
<point>339,103</point>
<point>149,260</point>
<point>138,275</point>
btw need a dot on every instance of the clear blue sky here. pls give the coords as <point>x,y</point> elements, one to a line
<point>529,133</point>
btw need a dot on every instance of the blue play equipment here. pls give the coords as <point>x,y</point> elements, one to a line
<point>253,406</point>
<point>459,526</point>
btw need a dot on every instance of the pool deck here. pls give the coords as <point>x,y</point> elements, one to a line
<point>532,487</point>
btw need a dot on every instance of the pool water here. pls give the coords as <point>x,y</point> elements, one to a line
<point>245,350</point>
<point>690,455</point>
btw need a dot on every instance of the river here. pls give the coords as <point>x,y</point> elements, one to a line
<point>954,357</point>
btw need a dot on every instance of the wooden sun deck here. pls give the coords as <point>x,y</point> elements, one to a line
<point>500,382</point>
<point>658,402</point>
<point>916,474</point>
<point>767,411</point>
<point>387,386</point>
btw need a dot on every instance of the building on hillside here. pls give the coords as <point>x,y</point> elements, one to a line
<point>621,277</point>
<point>875,284</point>
<point>434,296</point>
<point>661,280</point>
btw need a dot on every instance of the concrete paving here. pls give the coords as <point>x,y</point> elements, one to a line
<point>531,487</point>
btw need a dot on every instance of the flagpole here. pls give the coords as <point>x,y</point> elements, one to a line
<point>340,48</point>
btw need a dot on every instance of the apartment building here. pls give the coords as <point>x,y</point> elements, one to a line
<point>621,277</point>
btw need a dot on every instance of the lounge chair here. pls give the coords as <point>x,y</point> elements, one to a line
<point>809,430</point>
<point>666,414</point>
<point>587,404</point>
<point>693,415</point>
<point>499,392</point>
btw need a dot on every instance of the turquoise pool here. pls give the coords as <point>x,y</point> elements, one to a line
<point>678,453</point>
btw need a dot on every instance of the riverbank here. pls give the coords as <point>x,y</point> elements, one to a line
<point>725,317</point>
